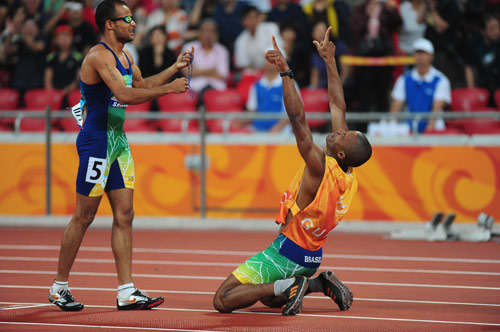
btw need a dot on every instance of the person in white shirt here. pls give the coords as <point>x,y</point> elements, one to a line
<point>423,89</point>
<point>252,42</point>
<point>211,66</point>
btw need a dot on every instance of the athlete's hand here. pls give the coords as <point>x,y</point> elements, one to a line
<point>184,59</point>
<point>276,58</point>
<point>326,48</point>
<point>179,85</point>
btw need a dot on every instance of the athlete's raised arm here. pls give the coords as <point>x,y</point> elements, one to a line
<point>311,153</point>
<point>103,62</point>
<point>326,50</point>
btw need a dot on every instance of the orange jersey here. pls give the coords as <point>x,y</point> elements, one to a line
<point>309,228</point>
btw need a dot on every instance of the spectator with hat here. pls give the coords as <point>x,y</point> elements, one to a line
<point>422,89</point>
<point>63,64</point>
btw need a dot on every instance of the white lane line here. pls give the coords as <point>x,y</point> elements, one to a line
<point>184,263</point>
<point>250,253</point>
<point>105,327</point>
<point>316,315</point>
<point>26,307</point>
<point>169,276</point>
<point>212,293</point>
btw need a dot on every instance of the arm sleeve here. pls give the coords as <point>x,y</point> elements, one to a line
<point>443,90</point>
<point>398,92</point>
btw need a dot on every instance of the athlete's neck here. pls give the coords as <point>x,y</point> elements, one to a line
<point>113,44</point>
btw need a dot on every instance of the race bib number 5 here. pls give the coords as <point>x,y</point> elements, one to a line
<point>95,170</point>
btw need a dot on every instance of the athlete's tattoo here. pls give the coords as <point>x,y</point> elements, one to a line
<point>113,76</point>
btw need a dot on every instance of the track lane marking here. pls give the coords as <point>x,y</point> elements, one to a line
<point>251,253</point>
<point>212,293</point>
<point>169,276</point>
<point>184,263</point>
<point>106,327</point>
<point>310,315</point>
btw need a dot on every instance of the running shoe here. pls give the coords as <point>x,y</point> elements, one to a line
<point>139,300</point>
<point>294,296</point>
<point>64,300</point>
<point>334,288</point>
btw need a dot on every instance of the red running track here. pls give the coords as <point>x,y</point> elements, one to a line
<point>397,285</point>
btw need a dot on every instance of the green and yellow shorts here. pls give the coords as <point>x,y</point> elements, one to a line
<point>271,264</point>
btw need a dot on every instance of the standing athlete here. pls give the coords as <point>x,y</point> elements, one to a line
<point>314,204</point>
<point>109,80</point>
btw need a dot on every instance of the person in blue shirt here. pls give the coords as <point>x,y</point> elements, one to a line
<point>422,89</point>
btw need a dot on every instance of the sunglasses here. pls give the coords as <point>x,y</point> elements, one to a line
<point>126,19</point>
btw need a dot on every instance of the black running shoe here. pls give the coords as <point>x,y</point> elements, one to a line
<point>64,300</point>
<point>294,296</point>
<point>139,300</point>
<point>334,288</point>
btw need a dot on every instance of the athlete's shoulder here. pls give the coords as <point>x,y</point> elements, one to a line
<point>99,53</point>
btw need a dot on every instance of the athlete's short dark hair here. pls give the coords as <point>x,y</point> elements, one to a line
<point>359,153</point>
<point>106,11</point>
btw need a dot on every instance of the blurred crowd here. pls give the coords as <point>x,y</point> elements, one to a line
<point>42,43</point>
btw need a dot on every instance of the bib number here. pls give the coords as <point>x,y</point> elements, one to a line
<point>95,170</point>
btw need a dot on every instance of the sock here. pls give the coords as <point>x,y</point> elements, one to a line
<point>315,285</point>
<point>57,286</point>
<point>281,285</point>
<point>125,290</point>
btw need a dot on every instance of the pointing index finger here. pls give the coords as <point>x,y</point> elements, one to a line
<point>275,46</point>
<point>327,35</point>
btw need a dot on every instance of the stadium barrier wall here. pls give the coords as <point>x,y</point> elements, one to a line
<point>406,181</point>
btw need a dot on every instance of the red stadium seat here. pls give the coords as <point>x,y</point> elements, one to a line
<point>315,100</point>
<point>178,102</point>
<point>469,99</point>
<point>74,97</point>
<point>9,101</point>
<point>138,125</point>
<point>497,98</point>
<point>223,101</point>
<point>39,99</point>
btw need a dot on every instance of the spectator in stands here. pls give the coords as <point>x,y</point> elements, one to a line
<point>211,67</point>
<point>33,9</point>
<point>483,57</point>
<point>285,11</point>
<point>251,44</point>
<point>202,10</point>
<point>266,96</point>
<point>334,13</point>
<point>318,77</point>
<point>29,69</point>
<point>444,31</point>
<point>10,37</point>
<point>373,24</point>
<point>297,52</point>
<point>413,16</point>
<point>63,64</point>
<point>71,14</point>
<point>174,19</point>
<point>156,56</point>
<point>227,15</point>
<point>423,89</point>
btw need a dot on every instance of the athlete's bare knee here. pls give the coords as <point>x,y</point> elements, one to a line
<point>83,219</point>
<point>124,218</point>
<point>220,305</point>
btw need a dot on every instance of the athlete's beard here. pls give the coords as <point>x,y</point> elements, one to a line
<point>124,39</point>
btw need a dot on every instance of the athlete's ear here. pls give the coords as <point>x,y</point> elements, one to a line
<point>109,24</point>
<point>341,154</point>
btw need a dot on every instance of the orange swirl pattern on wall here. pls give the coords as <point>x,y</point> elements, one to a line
<point>398,183</point>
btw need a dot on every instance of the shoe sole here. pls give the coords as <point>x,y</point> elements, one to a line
<point>143,306</point>
<point>330,282</point>
<point>68,308</point>
<point>296,306</point>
